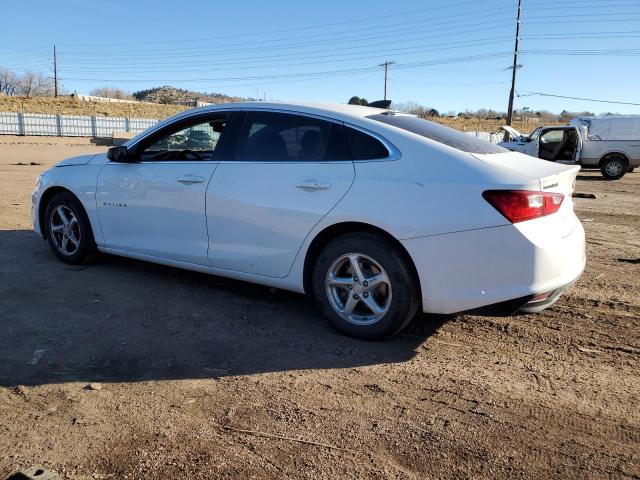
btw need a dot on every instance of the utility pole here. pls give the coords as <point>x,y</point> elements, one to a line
<point>55,73</point>
<point>386,66</point>
<point>515,65</point>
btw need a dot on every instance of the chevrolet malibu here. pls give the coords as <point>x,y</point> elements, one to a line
<point>375,214</point>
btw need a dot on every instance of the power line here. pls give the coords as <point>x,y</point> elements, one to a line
<point>441,61</point>
<point>571,35</point>
<point>566,22</point>
<point>584,3</point>
<point>273,61</point>
<point>582,15</point>
<point>335,37</point>
<point>367,44</point>
<point>395,80</point>
<point>625,52</point>
<point>304,28</point>
<point>277,64</point>
<point>530,94</point>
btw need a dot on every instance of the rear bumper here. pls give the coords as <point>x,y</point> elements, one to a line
<point>526,304</point>
<point>499,269</point>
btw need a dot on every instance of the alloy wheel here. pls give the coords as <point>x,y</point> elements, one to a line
<point>358,289</point>
<point>64,230</point>
<point>613,168</point>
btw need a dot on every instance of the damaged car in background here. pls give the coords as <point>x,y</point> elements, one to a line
<point>610,144</point>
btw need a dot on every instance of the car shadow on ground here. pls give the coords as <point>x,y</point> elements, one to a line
<point>119,320</point>
<point>591,178</point>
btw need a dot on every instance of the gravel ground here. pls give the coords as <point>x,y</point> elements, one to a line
<point>122,369</point>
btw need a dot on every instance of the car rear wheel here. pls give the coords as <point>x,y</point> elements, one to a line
<point>365,286</point>
<point>67,229</point>
<point>614,167</point>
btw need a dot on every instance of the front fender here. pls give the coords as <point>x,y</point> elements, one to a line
<point>80,181</point>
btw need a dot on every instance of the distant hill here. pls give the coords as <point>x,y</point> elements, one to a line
<point>168,95</point>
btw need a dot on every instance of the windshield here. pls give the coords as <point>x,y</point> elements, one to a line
<point>439,133</point>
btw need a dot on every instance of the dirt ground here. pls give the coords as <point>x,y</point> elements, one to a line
<point>122,369</point>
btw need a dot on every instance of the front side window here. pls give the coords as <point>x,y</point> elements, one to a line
<point>535,134</point>
<point>277,137</point>
<point>195,141</point>
<point>552,136</point>
<point>439,133</point>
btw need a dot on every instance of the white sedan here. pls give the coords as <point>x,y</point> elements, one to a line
<point>374,214</point>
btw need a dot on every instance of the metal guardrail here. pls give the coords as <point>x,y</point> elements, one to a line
<point>70,125</point>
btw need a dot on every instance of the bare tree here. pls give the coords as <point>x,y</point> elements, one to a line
<point>33,84</point>
<point>110,92</point>
<point>9,82</point>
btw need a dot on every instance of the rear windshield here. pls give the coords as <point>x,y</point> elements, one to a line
<point>439,133</point>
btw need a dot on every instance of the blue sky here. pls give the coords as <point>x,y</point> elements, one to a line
<point>451,55</point>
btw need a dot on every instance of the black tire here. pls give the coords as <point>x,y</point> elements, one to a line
<point>614,167</point>
<point>86,247</point>
<point>405,290</point>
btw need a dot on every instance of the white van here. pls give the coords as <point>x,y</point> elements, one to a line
<point>611,144</point>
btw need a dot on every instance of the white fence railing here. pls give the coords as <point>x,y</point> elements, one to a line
<point>98,127</point>
<point>70,125</point>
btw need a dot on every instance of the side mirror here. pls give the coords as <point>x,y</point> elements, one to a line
<point>119,154</point>
<point>526,139</point>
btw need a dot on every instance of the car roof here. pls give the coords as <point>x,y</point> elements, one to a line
<point>335,110</point>
<point>338,111</point>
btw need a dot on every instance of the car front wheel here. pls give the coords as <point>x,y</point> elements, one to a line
<point>67,229</point>
<point>365,286</point>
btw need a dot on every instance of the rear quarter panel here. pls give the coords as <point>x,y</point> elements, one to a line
<point>432,189</point>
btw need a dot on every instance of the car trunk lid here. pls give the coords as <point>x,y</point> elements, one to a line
<point>549,176</point>
<point>552,177</point>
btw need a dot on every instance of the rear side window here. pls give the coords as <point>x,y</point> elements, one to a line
<point>277,137</point>
<point>439,133</point>
<point>365,147</point>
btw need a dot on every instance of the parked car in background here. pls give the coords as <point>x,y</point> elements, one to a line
<point>376,215</point>
<point>611,144</point>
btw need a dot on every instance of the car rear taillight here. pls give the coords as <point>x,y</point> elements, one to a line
<point>520,205</point>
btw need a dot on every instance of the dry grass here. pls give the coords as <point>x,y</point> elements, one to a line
<point>473,124</point>
<point>69,106</point>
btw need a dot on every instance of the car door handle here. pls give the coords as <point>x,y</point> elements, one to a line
<point>191,179</point>
<point>314,185</point>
